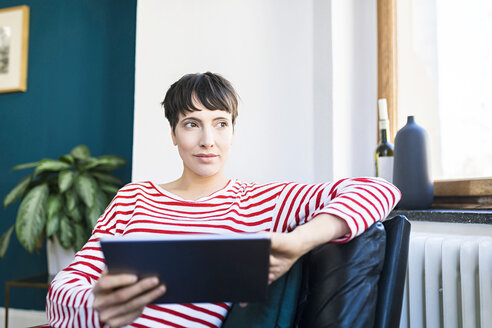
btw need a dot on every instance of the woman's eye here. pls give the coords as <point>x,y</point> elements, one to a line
<point>223,124</point>
<point>190,125</point>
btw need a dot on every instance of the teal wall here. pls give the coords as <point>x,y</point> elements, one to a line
<point>80,89</point>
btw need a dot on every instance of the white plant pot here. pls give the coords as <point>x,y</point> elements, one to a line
<point>58,257</point>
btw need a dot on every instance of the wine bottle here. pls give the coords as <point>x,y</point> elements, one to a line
<point>384,151</point>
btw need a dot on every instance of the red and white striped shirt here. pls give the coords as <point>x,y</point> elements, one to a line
<point>238,207</point>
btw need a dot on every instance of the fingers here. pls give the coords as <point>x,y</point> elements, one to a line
<point>276,272</point>
<point>109,282</point>
<point>275,269</point>
<point>279,265</point>
<point>123,294</point>
<point>129,311</point>
<point>276,260</point>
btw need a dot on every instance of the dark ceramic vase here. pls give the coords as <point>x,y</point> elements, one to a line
<point>411,167</point>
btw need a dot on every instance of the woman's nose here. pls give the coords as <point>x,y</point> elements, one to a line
<point>207,138</point>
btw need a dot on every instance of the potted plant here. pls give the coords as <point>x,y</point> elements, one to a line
<point>61,199</point>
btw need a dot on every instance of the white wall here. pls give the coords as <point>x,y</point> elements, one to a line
<point>279,56</point>
<point>354,51</point>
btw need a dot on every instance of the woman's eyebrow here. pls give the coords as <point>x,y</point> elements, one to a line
<point>191,118</point>
<point>199,120</point>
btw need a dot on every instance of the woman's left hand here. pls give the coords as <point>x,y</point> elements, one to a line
<point>286,249</point>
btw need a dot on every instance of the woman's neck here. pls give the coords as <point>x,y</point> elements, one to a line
<point>192,187</point>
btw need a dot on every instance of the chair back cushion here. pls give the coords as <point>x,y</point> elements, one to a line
<point>340,286</point>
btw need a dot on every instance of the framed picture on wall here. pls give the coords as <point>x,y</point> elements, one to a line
<point>14,36</point>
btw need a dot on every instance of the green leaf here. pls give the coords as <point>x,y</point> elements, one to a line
<point>86,187</point>
<point>71,199</point>
<point>17,192</point>
<point>52,225</point>
<point>106,177</point>
<point>5,240</point>
<point>75,214</point>
<point>109,188</point>
<point>65,232</point>
<point>90,163</point>
<point>48,164</point>
<point>31,217</point>
<point>92,214</point>
<point>80,237</point>
<point>110,162</point>
<point>80,152</point>
<point>65,180</point>
<point>69,159</point>
<point>24,166</point>
<point>54,205</point>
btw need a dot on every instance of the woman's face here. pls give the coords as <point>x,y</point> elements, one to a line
<point>204,138</point>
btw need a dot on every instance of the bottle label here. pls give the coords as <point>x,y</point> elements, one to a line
<point>385,168</point>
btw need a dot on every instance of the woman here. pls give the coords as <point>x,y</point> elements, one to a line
<point>202,110</point>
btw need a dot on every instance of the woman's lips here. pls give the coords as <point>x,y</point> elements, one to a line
<point>206,158</point>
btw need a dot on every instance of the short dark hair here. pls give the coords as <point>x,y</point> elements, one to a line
<point>212,90</point>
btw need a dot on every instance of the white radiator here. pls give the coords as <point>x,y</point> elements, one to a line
<point>449,282</point>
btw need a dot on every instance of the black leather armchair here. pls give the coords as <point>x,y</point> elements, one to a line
<point>392,280</point>
<point>356,284</point>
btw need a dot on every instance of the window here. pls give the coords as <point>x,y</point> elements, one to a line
<point>445,79</point>
<point>444,65</point>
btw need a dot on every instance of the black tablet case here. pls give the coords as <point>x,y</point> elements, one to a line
<point>208,270</point>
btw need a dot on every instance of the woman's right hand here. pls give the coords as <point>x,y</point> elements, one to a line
<point>121,298</point>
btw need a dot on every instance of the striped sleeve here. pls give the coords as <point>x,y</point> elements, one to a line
<point>69,299</point>
<point>358,201</point>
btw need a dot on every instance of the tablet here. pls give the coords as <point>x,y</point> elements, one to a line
<point>196,267</point>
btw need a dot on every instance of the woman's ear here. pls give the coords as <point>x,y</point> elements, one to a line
<point>173,136</point>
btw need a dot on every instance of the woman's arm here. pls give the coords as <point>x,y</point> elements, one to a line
<point>358,201</point>
<point>84,295</point>
<point>321,213</point>
<point>77,298</point>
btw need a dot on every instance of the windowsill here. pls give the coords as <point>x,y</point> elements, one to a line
<point>448,216</point>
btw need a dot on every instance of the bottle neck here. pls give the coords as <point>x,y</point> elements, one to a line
<point>384,130</point>
<point>383,135</point>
